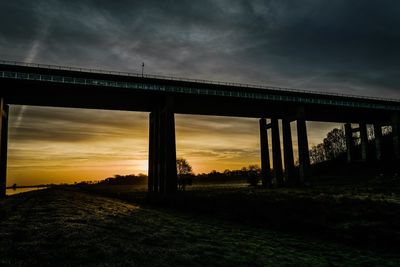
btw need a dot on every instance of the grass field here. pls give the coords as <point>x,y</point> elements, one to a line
<point>71,227</point>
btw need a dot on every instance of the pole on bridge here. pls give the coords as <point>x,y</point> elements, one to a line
<point>265,165</point>
<point>288,158</point>
<point>276,152</point>
<point>304,154</point>
<point>4,109</point>
<point>162,176</point>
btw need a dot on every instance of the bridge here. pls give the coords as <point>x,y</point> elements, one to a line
<point>60,86</point>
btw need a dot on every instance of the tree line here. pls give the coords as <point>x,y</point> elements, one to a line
<point>334,145</point>
<point>186,177</point>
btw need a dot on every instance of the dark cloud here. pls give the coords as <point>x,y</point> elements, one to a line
<point>329,45</point>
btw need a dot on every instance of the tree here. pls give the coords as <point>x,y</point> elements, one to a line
<point>317,154</point>
<point>253,174</point>
<point>386,130</point>
<point>183,167</point>
<point>334,143</point>
<point>184,172</point>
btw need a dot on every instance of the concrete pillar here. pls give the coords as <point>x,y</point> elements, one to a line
<point>288,158</point>
<point>396,139</point>
<point>152,144</point>
<point>349,142</point>
<point>3,146</point>
<point>276,152</point>
<point>162,151</point>
<point>304,154</point>
<point>161,154</point>
<point>171,177</point>
<point>265,165</point>
<point>378,141</point>
<point>364,141</point>
<point>150,171</point>
<point>154,152</point>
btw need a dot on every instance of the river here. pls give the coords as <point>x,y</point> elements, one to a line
<point>12,191</point>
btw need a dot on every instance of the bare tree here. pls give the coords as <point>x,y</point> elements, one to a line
<point>184,172</point>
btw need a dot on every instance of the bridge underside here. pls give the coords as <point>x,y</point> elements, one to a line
<point>163,105</point>
<point>77,96</point>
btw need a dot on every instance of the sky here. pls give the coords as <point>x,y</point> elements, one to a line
<point>341,46</point>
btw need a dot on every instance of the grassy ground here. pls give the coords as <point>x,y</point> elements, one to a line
<point>70,227</point>
<point>366,215</point>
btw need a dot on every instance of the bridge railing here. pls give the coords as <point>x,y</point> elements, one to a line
<point>130,74</point>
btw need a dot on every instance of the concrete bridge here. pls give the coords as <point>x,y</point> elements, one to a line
<point>162,97</point>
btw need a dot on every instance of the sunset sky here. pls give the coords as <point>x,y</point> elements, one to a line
<point>330,46</point>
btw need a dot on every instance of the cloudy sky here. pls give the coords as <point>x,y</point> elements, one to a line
<point>345,46</point>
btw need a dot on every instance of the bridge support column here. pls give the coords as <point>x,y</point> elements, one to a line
<point>154,167</point>
<point>348,131</point>
<point>288,158</point>
<point>265,165</point>
<point>378,141</point>
<point>396,139</point>
<point>364,141</point>
<point>162,152</point>
<point>304,154</point>
<point>4,109</point>
<point>276,152</point>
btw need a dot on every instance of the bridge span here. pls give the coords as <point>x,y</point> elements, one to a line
<point>162,97</point>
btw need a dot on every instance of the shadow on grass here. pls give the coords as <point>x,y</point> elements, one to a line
<point>68,227</point>
<point>355,216</point>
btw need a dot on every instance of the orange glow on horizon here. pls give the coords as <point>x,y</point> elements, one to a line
<point>59,145</point>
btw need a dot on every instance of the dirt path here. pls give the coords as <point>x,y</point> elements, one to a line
<point>66,227</point>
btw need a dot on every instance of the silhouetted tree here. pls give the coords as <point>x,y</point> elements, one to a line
<point>183,167</point>
<point>253,174</point>
<point>370,132</point>
<point>334,143</point>
<point>317,154</point>
<point>184,172</point>
<point>130,179</point>
<point>386,130</point>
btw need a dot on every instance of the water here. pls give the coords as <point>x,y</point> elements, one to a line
<point>11,191</point>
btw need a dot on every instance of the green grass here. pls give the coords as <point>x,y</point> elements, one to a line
<point>70,227</point>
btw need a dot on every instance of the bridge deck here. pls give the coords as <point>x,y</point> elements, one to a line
<point>34,84</point>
